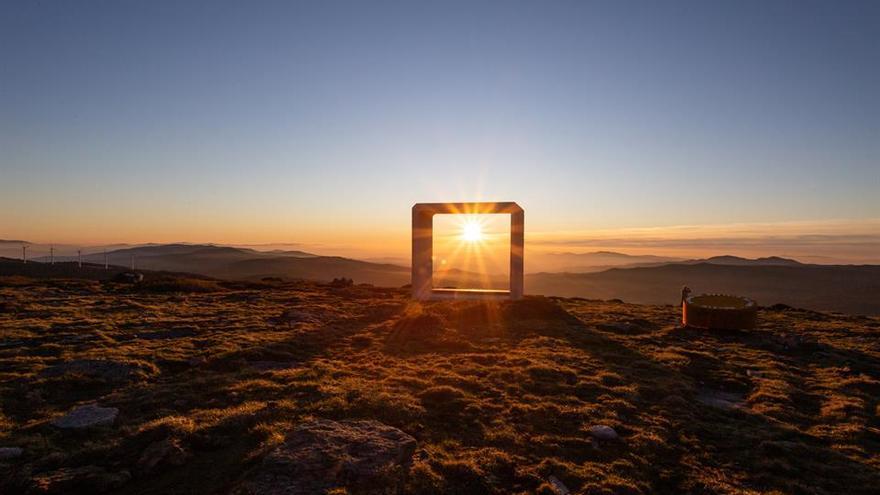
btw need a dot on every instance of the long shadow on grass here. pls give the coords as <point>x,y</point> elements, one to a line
<point>768,454</point>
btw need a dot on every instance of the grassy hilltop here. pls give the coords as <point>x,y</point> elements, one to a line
<point>210,377</point>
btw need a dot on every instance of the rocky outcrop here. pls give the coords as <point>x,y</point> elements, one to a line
<point>292,317</point>
<point>86,417</point>
<point>603,432</point>
<point>101,369</point>
<point>320,455</point>
<point>168,452</point>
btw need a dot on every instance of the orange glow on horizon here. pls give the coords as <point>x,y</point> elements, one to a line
<point>471,251</point>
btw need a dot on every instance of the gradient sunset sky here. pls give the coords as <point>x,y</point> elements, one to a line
<point>638,126</point>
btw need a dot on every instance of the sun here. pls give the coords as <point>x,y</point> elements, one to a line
<point>472,232</point>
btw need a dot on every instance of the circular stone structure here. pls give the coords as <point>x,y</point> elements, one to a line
<point>718,311</point>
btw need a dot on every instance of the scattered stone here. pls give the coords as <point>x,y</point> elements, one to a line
<point>558,486</point>
<point>85,479</point>
<point>603,432</point>
<point>292,317</point>
<point>719,399</point>
<point>794,341</point>
<point>165,452</point>
<point>323,454</point>
<point>112,371</point>
<point>87,416</point>
<point>197,361</point>
<point>7,453</point>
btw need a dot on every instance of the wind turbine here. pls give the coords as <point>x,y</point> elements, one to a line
<point>52,254</point>
<point>106,264</point>
<point>23,253</point>
<point>79,255</point>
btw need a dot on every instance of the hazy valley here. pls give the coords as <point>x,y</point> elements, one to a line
<point>640,279</point>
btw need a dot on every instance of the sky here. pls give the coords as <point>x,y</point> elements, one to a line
<point>736,127</point>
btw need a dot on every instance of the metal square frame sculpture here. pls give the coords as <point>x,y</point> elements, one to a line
<point>423,249</point>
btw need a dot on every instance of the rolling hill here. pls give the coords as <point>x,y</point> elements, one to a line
<point>593,261</point>
<point>88,271</point>
<point>770,280</point>
<point>248,264</point>
<point>846,288</point>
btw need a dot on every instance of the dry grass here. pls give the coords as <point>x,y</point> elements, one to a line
<point>499,396</point>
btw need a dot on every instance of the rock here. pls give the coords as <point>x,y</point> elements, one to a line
<point>322,454</point>
<point>603,432</point>
<point>85,479</point>
<point>87,416</point>
<point>197,361</point>
<point>719,399</point>
<point>558,486</point>
<point>796,342</point>
<point>111,371</point>
<point>7,453</point>
<point>164,452</point>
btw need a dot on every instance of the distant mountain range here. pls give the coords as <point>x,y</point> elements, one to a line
<point>737,261</point>
<point>249,264</point>
<point>847,288</point>
<point>639,279</point>
<point>592,262</point>
<point>603,260</point>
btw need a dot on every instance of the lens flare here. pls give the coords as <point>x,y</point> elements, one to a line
<point>472,232</point>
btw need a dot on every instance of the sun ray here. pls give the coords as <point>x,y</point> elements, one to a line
<point>470,252</point>
<point>471,232</point>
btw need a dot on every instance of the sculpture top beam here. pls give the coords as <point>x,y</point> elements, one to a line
<point>467,208</point>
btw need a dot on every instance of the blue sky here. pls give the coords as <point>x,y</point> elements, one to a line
<point>323,122</point>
